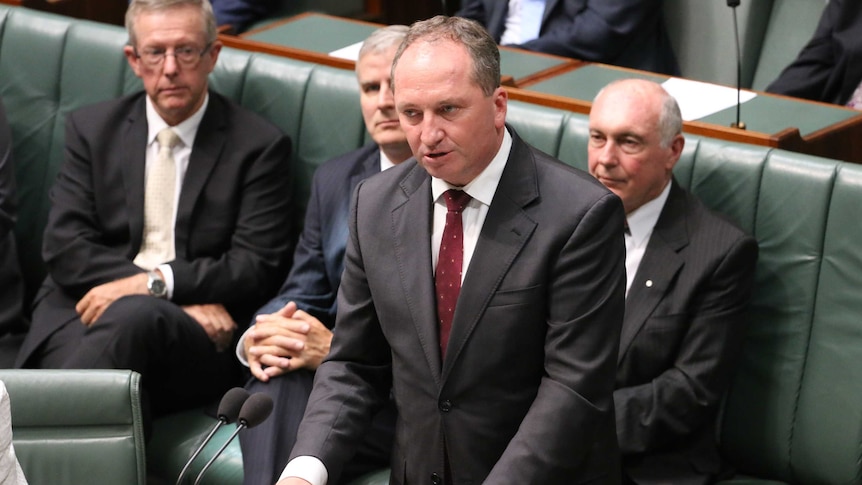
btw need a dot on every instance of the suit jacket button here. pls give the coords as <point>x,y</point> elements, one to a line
<point>445,405</point>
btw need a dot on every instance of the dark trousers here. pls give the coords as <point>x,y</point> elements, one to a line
<point>266,448</point>
<point>179,365</point>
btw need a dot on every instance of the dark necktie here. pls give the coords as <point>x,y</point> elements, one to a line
<point>447,280</point>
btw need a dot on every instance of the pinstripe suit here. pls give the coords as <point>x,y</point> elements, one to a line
<point>682,332</point>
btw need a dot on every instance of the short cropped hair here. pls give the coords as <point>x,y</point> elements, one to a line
<point>136,7</point>
<point>479,44</point>
<point>383,39</point>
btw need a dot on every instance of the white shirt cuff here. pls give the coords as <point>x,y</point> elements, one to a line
<point>168,275</point>
<point>307,468</point>
<point>240,348</point>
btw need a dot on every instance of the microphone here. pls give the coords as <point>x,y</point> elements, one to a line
<point>737,124</point>
<point>229,408</point>
<point>254,411</point>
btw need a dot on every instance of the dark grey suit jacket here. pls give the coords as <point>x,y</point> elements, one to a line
<point>525,392</point>
<point>629,33</point>
<point>233,227</point>
<point>829,67</point>
<point>682,333</point>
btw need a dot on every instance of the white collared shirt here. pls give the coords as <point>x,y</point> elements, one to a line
<point>481,189</point>
<point>641,223</point>
<point>187,131</point>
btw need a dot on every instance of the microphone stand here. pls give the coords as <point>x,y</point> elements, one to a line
<point>737,124</point>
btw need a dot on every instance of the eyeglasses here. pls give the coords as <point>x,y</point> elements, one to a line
<point>185,56</point>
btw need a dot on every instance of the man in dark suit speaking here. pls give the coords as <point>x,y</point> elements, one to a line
<point>689,277</point>
<point>169,223</point>
<point>483,284</point>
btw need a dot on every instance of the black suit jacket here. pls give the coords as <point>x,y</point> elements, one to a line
<point>682,333</point>
<point>829,67</point>
<point>524,393</point>
<point>232,232</point>
<point>629,33</point>
<point>11,283</point>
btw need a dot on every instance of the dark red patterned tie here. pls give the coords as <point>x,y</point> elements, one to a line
<point>449,263</point>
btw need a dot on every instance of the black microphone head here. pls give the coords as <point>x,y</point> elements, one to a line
<point>231,405</point>
<point>255,410</point>
<point>732,3</point>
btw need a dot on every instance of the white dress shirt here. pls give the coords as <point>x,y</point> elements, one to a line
<point>523,21</point>
<point>641,223</point>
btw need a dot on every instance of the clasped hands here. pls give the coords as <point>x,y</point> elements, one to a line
<point>284,341</point>
<point>213,317</point>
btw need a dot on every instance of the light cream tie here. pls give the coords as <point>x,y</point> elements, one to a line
<point>158,237</point>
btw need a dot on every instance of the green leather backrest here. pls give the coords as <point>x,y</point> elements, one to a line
<point>41,81</point>
<point>828,432</point>
<point>791,23</point>
<point>77,426</point>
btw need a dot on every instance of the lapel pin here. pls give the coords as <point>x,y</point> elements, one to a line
<point>648,283</point>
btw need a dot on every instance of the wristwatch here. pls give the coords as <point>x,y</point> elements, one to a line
<point>156,285</point>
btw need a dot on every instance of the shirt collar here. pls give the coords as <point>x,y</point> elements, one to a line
<point>642,220</point>
<point>483,187</point>
<point>385,162</point>
<point>186,130</point>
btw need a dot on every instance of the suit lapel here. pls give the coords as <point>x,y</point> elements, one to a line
<point>504,234</point>
<point>549,7</point>
<point>368,167</point>
<point>658,268</point>
<point>411,228</point>
<point>206,151</point>
<point>134,170</point>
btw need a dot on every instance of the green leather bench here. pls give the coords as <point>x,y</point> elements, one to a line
<point>77,427</point>
<point>794,412</point>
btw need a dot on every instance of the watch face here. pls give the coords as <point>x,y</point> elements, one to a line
<point>157,287</point>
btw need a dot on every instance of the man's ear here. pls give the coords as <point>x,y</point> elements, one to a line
<point>132,59</point>
<point>676,147</point>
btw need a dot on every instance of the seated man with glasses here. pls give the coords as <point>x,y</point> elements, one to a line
<point>170,221</point>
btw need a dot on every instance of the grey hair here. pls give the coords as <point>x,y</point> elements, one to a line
<point>383,39</point>
<point>479,44</point>
<point>136,7</point>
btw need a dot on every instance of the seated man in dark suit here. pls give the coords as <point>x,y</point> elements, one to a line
<point>828,67</point>
<point>689,277</point>
<point>292,333</point>
<point>11,284</point>
<point>169,222</point>
<point>628,33</point>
